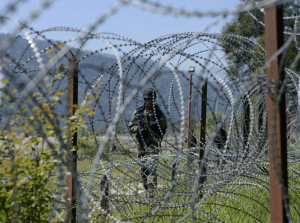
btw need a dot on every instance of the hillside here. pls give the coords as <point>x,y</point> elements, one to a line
<point>89,69</point>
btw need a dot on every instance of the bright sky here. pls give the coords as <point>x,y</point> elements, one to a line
<point>129,21</point>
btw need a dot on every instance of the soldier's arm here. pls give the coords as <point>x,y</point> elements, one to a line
<point>163,123</point>
<point>133,127</point>
<point>163,126</point>
<point>223,135</point>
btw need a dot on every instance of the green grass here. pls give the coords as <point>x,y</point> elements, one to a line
<point>230,203</point>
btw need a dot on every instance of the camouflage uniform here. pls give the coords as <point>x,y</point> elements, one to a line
<point>220,142</point>
<point>220,139</point>
<point>147,127</point>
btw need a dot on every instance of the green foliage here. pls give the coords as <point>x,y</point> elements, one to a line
<point>243,24</point>
<point>31,146</point>
<point>27,187</point>
<point>58,45</point>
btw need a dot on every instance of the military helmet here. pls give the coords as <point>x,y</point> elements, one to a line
<point>149,93</point>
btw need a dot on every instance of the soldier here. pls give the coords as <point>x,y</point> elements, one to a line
<point>220,142</point>
<point>149,124</point>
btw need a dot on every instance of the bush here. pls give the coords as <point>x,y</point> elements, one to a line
<point>30,146</point>
<point>26,188</point>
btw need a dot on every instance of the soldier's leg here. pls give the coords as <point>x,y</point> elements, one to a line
<point>222,158</point>
<point>152,168</point>
<point>152,178</point>
<point>144,174</point>
<point>219,161</point>
<point>144,170</point>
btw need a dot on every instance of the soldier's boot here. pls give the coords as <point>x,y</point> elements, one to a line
<point>152,183</point>
<point>150,193</point>
<point>144,175</point>
<point>145,184</point>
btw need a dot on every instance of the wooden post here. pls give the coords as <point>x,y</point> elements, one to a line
<point>72,154</point>
<point>276,116</point>
<point>202,178</point>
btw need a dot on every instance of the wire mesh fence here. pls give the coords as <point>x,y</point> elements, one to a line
<point>81,141</point>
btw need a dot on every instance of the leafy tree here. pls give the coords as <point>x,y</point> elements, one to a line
<point>250,25</point>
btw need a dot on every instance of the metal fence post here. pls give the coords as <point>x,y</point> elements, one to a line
<point>189,114</point>
<point>202,178</point>
<point>246,124</point>
<point>72,156</point>
<point>288,128</point>
<point>104,194</point>
<point>166,141</point>
<point>189,130</point>
<point>260,116</point>
<point>276,116</point>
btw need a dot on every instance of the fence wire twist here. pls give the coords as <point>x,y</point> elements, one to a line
<point>237,177</point>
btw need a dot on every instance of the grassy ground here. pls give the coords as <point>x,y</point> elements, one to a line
<point>233,202</point>
<point>230,203</point>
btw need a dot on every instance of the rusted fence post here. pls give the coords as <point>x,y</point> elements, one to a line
<point>202,178</point>
<point>288,128</point>
<point>104,200</point>
<point>72,154</point>
<point>276,116</point>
